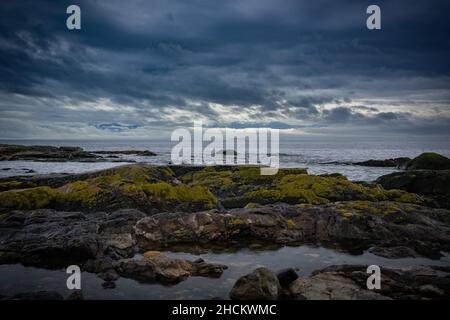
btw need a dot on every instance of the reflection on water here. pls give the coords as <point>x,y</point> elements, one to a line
<point>16,278</point>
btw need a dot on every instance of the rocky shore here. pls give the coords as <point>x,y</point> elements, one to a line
<point>118,223</point>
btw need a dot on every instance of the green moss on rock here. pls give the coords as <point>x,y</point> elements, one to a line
<point>156,189</point>
<point>185,197</point>
<point>231,181</point>
<point>398,211</point>
<point>34,198</point>
<point>140,187</point>
<point>303,188</point>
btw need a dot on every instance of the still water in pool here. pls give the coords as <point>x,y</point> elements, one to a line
<point>17,278</point>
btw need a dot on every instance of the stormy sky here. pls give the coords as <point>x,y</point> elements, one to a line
<point>143,68</point>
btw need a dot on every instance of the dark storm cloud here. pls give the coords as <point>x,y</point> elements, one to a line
<point>161,64</point>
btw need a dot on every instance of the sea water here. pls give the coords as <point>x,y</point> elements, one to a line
<point>318,154</point>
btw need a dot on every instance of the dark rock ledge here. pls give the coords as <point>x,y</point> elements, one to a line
<point>99,242</point>
<point>384,227</point>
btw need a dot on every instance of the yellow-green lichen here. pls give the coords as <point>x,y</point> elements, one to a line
<point>291,224</point>
<point>34,198</point>
<point>252,205</point>
<point>234,180</point>
<point>403,196</point>
<point>236,222</point>
<point>136,188</point>
<point>304,188</point>
<point>153,189</point>
<point>346,215</point>
<point>350,209</point>
<point>164,192</point>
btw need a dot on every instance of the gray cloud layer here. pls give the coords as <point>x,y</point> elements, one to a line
<point>140,68</point>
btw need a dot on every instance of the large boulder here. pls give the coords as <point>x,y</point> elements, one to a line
<point>349,282</point>
<point>261,284</point>
<point>286,277</point>
<point>429,161</point>
<point>331,286</point>
<point>163,269</point>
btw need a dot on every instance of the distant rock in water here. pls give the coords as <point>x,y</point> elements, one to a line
<point>426,161</point>
<point>429,161</point>
<point>396,162</point>
<point>227,152</point>
<point>71,149</point>
<point>143,153</point>
<point>9,152</point>
<point>44,153</point>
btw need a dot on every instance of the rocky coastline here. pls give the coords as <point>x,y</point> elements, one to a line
<point>118,223</point>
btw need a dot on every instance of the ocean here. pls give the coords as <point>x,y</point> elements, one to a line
<point>318,154</point>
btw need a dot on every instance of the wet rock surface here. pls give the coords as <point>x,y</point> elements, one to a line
<point>100,242</point>
<point>261,284</point>
<point>349,282</point>
<point>166,270</point>
<point>286,277</point>
<point>51,238</point>
<point>425,231</point>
